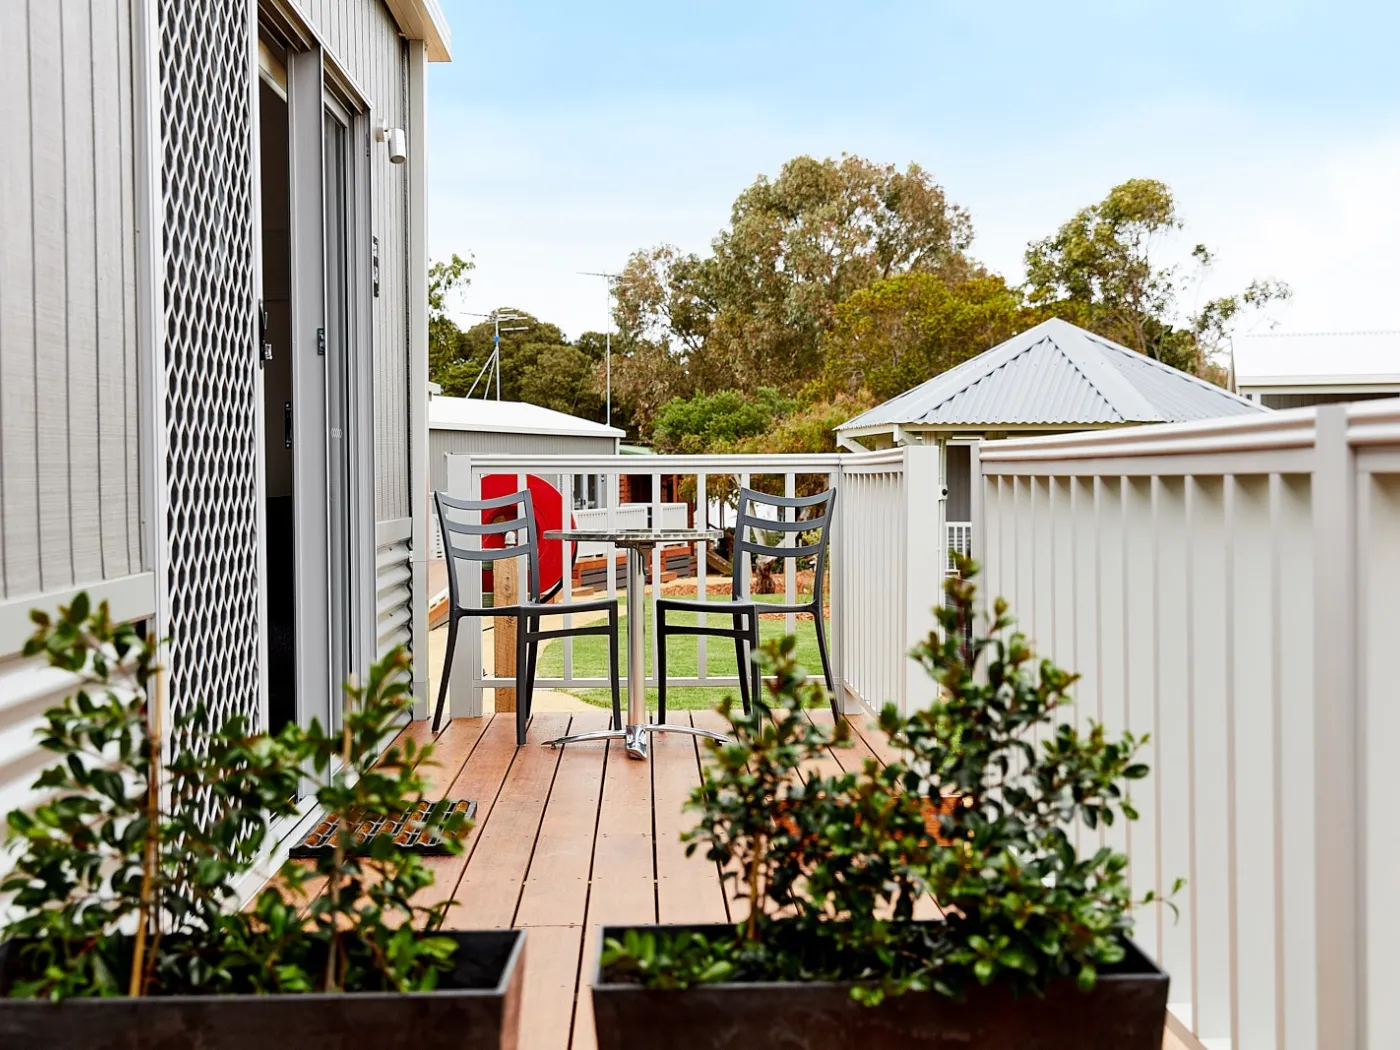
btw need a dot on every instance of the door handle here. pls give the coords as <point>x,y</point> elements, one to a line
<point>287,423</point>
<point>264,345</point>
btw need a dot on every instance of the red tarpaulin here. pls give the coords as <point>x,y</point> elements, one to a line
<point>549,515</point>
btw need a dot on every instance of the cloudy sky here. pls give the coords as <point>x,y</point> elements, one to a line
<point>565,135</point>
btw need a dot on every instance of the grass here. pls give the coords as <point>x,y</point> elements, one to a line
<point>682,658</point>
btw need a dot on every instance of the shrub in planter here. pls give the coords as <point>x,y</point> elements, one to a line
<point>1034,950</point>
<point>126,931</point>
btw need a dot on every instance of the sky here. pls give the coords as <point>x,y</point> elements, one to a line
<point>564,136</point>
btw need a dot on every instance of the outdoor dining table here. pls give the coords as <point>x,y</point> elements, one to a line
<point>638,543</point>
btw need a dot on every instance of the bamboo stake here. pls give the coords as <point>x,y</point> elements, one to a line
<point>137,985</point>
<point>339,859</point>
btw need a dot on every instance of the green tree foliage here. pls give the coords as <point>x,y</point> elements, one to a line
<point>538,365</point>
<point>753,312</point>
<point>810,427</point>
<point>1104,269</point>
<point>707,422</point>
<point>902,330</point>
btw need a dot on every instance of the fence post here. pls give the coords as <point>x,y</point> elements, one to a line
<point>925,557</point>
<point>836,595</point>
<point>1337,884</point>
<point>464,698</point>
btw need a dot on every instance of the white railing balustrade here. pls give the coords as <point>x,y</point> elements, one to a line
<point>884,562</point>
<point>959,541</point>
<point>628,516</point>
<point>1233,589</point>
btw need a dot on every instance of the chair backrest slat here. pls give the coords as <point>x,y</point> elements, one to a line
<point>522,523</point>
<point>485,528</point>
<point>746,520</point>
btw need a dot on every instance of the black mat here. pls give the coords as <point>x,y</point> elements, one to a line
<point>410,831</point>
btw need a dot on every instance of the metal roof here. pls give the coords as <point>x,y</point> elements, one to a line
<point>510,417</point>
<point>1056,374</point>
<point>1317,358</point>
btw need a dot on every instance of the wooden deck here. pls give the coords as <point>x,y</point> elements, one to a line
<point>568,840</point>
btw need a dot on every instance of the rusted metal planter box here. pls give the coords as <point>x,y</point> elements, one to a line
<point>478,1008</point>
<point>1125,1011</point>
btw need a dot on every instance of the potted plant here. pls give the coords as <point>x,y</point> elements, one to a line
<point>1033,952</point>
<point>125,931</point>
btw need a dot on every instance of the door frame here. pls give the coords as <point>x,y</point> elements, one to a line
<point>359,383</point>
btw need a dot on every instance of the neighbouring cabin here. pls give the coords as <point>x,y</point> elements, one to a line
<point>1284,369</point>
<point>1051,379</point>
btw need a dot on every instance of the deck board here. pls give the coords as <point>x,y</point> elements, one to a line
<point>687,888</point>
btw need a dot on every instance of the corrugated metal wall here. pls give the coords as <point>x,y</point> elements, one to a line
<point>362,38</point>
<point>69,500</point>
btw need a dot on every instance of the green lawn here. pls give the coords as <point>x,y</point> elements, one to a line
<point>682,661</point>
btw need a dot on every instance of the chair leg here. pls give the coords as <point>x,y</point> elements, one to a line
<point>446,672</point>
<point>532,664</point>
<point>661,667</point>
<point>756,684</point>
<point>614,671</point>
<point>826,665</point>
<point>743,666</point>
<point>522,631</point>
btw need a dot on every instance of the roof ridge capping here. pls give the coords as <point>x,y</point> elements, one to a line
<point>1125,399</point>
<point>961,377</point>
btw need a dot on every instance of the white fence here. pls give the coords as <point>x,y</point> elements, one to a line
<point>884,571</point>
<point>627,516</point>
<point>1233,588</point>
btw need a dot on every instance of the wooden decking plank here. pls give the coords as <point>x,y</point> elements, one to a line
<point>868,728</point>
<point>488,891</point>
<point>481,779</point>
<point>624,869</point>
<point>451,750</point>
<point>551,983</point>
<point>556,888</point>
<point>687,888</point>
<point>851,759</point>
<point>623,887</point>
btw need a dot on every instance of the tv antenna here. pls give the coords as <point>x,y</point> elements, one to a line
<point>612,279</point>
<point>492,367</point>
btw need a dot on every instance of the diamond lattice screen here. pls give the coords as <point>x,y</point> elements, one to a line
<point>211,374</point>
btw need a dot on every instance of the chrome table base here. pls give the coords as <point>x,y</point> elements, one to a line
<point>638,544</point>
<point>635,736</point>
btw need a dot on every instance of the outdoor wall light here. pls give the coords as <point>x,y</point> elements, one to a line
<point>396,142</point>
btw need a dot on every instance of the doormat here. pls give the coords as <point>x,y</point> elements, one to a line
<point>418,830</point>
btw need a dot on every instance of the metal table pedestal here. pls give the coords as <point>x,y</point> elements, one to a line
<point>638,543</point>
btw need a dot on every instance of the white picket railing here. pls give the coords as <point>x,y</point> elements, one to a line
<point>959,540</point>
<point>883,571</point>
<point>627,516</point>
<point>1233,589</point>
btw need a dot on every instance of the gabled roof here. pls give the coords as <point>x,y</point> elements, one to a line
<point>1056,374</point>
<point>510,417</point>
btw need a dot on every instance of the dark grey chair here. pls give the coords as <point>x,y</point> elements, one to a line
<point>744,612</point>
<point>527,612</point>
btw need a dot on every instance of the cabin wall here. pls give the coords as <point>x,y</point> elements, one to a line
<point>69,478</point>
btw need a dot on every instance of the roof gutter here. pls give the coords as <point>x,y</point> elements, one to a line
<point>423,20</point>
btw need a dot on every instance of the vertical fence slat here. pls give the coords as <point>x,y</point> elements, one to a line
<point>790,564</point>
<point>566,564</point>
<point>702,592</point>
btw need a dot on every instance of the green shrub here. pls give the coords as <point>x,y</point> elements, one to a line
<point>126,871</point>
<point>829,866</point>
